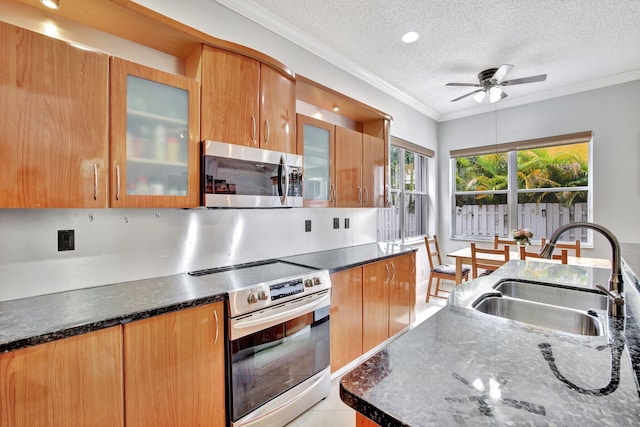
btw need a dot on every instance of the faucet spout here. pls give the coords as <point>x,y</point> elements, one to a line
<point>616,306</point>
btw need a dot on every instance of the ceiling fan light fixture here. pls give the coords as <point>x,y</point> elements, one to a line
<point>51,4</point>
<point>495,94</point>
<point>479,97</point>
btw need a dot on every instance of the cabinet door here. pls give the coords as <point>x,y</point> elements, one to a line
<point>277,111</point>
<point>346,317</point>
<point>174,369</point>
<point>154,138</point>
<point>54,109</point>
<point>401,293</point>
<point>348,168</point>
<point>316,143</point>
<point>373,171</point>
<point>375,304</point>
<point>230,97</point>
<point>75,381</point>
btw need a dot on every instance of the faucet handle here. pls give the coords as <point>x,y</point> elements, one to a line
<point>615,297</point>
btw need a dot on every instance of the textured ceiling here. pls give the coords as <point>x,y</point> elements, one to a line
<point>579,44</point>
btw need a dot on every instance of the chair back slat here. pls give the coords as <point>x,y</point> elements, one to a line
<point>478,263</point>
<point>563,256</point>
<point>497,241</point>
<point>573,246</point>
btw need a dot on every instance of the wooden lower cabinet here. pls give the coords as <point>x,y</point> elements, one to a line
<point>369,304</point>
<point>346,317</point>
<point>75,381</point>
<point>375,304</point>
<point>362,421</point>
<point>174,369</point>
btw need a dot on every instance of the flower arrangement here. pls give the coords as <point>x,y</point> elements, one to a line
<point>522,236</point>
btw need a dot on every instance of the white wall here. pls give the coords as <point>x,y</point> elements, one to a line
<point>612,113</point>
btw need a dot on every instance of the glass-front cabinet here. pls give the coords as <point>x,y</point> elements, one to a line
<point>317,144</point>
<point>154,138</point>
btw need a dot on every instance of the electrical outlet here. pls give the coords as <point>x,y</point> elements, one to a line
<point>346,223</point>
<point>336,223</point>
<point>66,240</point>
<point>307,225</point>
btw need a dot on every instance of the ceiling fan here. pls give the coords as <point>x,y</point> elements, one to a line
<point>491,82</point>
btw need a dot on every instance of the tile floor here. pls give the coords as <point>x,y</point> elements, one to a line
<point>332,411</point>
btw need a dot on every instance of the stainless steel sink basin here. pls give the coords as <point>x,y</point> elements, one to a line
<point>555,295</point>
<point>544,315</point>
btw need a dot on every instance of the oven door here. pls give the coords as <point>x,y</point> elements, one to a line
<point>270,361</point>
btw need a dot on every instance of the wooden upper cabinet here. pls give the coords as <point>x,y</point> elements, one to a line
<point>154,138</point>
<point>277,111</point>
<point>174,370</point>
<point>230,97</point>
<point>348,165</point>
<point>316,142</point>
<point>75,381</point>
<point>244,101</point>
<point>54,110</point>
<point>373,171</point>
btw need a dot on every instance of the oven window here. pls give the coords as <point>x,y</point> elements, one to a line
<point>270,362</point>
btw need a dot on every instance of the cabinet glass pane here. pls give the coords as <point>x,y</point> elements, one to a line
<point>316,163</point>
<point>157,138</point>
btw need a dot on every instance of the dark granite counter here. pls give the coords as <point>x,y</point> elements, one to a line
<point>353,256</point>
<point>36,320</point>
<point>463,367</point>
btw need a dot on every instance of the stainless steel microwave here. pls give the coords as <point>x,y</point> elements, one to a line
<point>235,176</point>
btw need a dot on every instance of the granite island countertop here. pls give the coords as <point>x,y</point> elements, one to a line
<point>463,367</point>
<point>35,320</point>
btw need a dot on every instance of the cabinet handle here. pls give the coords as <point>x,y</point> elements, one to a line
<point>366,195</point>
<point>394,271</point>
<point>117,182</point>
<point>386,267</point>
<point>267,131</point>
<point>253,129</point>
<point>332,193</point>
<point>215,315</point>
<point>359,196</point>
<point>95,181</point>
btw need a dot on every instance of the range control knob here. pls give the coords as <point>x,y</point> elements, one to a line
<point>316,281</point>
<point>308,283</point>
<point>262,296</point>
<point>251,299</point>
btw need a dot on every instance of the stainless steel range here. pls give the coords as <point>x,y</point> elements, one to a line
<point>278,347</point>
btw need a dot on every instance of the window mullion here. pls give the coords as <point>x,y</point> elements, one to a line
<point>512,198</point>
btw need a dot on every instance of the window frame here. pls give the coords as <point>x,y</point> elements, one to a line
<point>512,192</point>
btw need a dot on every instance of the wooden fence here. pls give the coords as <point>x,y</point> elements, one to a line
<point>541,218</point>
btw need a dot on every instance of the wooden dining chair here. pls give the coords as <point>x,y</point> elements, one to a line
<point>563,256</point>
<point>484,265</point>
<point>574,246</point>
<point>497,241</point>
<point>438,270</point>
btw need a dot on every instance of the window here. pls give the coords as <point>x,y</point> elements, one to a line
<point>407,216</point>
<point>538,185</point>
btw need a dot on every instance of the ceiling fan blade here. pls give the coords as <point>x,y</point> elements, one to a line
<point>501,73</point>
<point>469,94</point>
<point>531,79</point>
<point>464,84</point>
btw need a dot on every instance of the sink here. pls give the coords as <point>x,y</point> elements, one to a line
<point>539,314</point>
<point>550,294</point>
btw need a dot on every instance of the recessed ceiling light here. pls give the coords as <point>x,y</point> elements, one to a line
<point>336,108</point>
<point>51,4</point>
<point>410,37</point>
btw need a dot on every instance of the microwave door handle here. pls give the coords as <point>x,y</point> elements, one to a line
<point>284,171</point>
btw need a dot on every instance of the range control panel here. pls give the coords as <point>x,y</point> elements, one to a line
<point>278,291</point>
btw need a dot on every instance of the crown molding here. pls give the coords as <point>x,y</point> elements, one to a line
<point>272,22</point>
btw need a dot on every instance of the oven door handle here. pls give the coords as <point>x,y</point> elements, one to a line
<point>286,315</point>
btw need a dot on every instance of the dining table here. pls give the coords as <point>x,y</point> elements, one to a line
<point>463,256</point>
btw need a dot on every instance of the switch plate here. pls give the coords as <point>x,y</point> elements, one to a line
<point>336,223</point>
<point>346,223</point>
<point>307,225</point>
<point>66,240</point>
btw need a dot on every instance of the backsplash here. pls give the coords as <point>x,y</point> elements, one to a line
<point>119,245</point>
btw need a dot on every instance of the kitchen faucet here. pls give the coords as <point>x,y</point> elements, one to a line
<point>615,292</point>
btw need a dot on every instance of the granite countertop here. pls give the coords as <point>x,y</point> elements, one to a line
<point>463,367</point>
<point>36,320</point>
